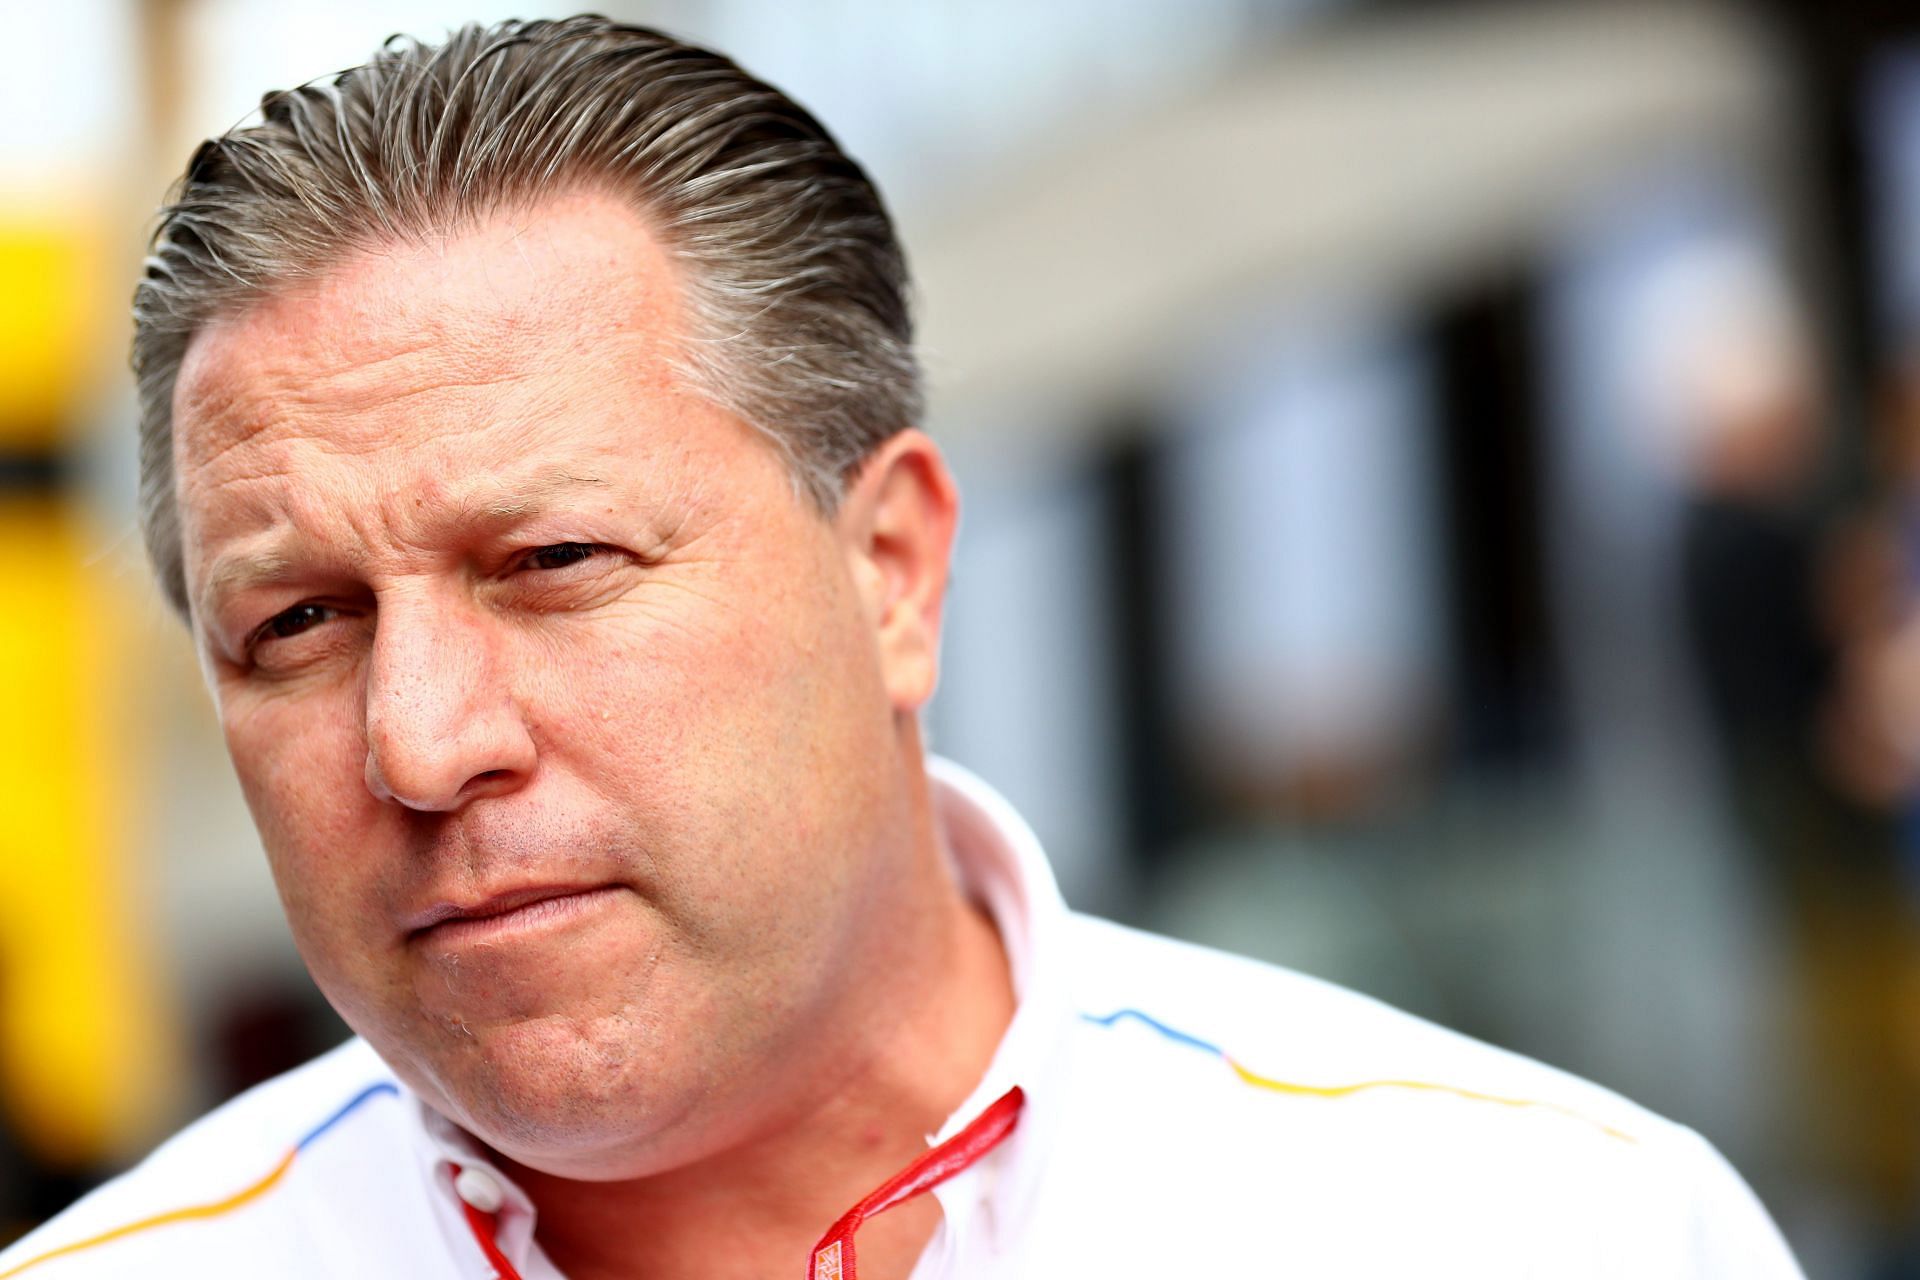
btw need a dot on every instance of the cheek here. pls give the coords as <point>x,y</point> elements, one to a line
<point>670,723</point>
<point>770,686</point>
<point>301,766</point>
<point>703,669</point>
<point>731,733</point>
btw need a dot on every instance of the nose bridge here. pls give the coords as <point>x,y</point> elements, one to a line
<point>439,717</point>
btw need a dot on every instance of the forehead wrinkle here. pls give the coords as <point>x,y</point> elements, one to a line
<point>320,354</point>
<point>494,499</point>
<point>316,345</point>
<point>279,399</point>
<point>508,286</point>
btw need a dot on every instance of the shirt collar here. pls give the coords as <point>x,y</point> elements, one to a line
<point>440,1147</point>
<point>998,862</point>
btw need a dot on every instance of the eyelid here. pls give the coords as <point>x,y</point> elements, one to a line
<point>264,632</point>
<point>525,559</point>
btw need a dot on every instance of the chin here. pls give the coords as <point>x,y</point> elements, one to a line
<point>590,1101</point>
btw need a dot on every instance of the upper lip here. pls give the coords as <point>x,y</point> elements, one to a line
<point>492,905</point>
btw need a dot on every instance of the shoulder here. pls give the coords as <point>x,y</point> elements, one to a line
<point>230,1183</point>
<point>1288,1089</point>
<point>1287,1027</point>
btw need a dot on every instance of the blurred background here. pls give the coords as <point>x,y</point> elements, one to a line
<point>1443,513</point>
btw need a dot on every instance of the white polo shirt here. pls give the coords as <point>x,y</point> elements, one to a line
<point>1187,1113</point>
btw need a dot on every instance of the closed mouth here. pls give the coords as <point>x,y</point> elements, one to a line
<point>525,907</point>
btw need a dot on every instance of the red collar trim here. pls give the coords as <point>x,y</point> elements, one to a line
<point>833,1257</point>
<point>484,1225</point>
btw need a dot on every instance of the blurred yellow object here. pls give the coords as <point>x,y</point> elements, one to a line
<point>50,321</point>
<point>85,1065</point>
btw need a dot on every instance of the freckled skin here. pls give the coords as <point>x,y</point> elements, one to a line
<point>711,712</point>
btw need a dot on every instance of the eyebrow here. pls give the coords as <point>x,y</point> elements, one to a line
<point>237,573</point>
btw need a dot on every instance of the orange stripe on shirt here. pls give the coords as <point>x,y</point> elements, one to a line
<point>188,1214</point>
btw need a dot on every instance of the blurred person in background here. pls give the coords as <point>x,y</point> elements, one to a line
<point>529,444</point>
<point>1857,894</point>
<point>1793,618</point>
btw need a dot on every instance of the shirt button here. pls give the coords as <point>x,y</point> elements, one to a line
<point>479,1189</point>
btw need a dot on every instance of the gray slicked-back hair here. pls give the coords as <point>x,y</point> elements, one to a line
<point>795,283</point>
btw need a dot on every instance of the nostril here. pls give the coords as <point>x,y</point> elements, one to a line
<point>488,782</point>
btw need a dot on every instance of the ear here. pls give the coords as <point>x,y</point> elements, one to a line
<point>896,524</point>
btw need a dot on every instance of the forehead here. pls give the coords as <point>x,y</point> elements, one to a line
<point>564,287</point>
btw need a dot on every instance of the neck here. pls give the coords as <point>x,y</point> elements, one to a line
<point>757,1209</point>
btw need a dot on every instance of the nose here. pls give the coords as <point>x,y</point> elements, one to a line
<point>442,726</point>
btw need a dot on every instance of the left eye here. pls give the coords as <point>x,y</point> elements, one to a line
<point>559,555</point>
<point>302,617</point>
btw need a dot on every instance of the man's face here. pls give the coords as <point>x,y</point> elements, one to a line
<point>560,713</point>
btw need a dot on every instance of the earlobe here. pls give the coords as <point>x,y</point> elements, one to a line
<point>898,521</point>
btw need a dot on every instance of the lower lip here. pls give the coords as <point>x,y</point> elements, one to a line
<point>535,917</point>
